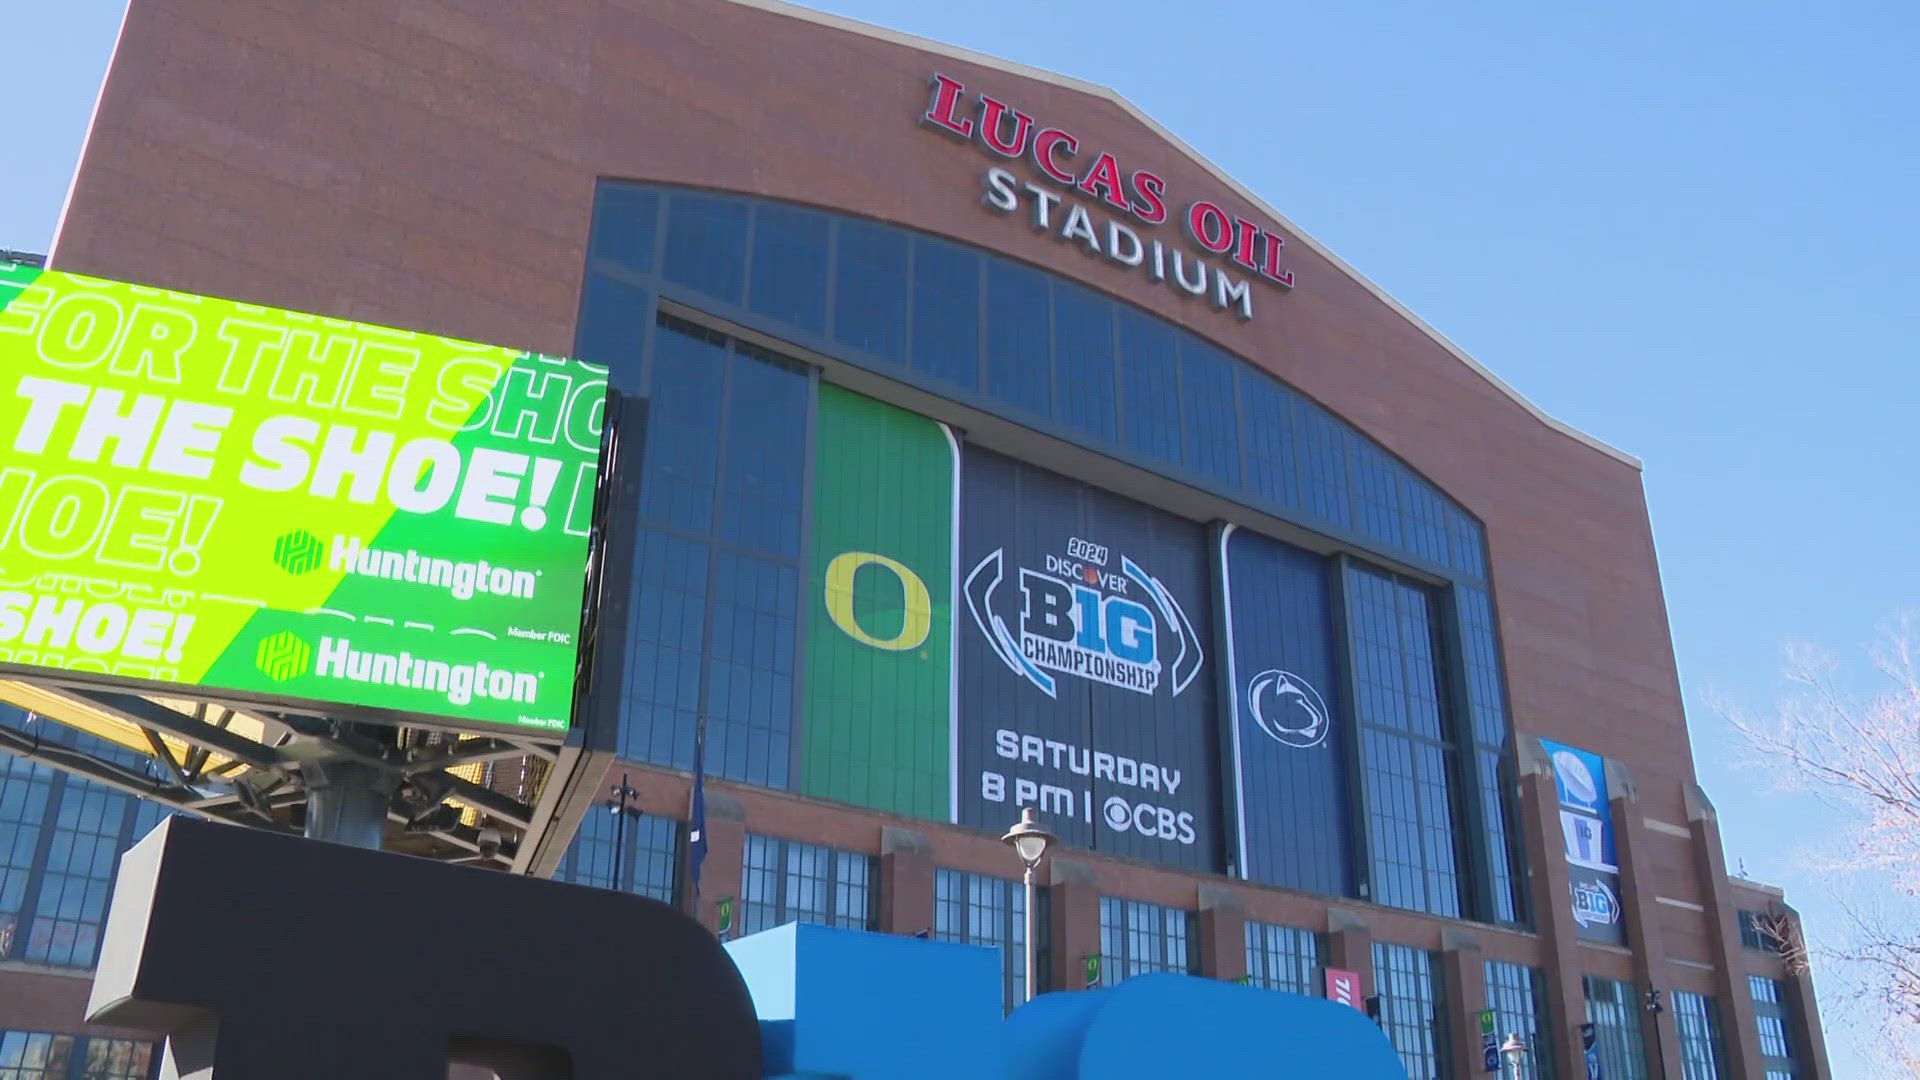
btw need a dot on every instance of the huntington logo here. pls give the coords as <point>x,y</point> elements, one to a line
<point>1078,618</point>
<point>298,552</point>
<point>282,656</point>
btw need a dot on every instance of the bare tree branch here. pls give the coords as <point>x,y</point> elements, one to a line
<point>1860,756</point>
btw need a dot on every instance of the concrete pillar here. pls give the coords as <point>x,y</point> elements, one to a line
<point>1466,974</point>
<point>1553,906</point>
<point>1075,926</point>
<point>1223,934</point>
<point>906,882</point>
<point>721,874</point>
<point>1740,1033</point>
<point>1350,947</point>
<point>1657,1029</point>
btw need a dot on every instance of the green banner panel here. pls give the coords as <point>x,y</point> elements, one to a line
<point>879,698</point>
<point>281,505</point>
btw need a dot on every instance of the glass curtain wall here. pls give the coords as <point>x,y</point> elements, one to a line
<point>1613,1008</point>
<point>975,909</point>
<point>1284,958</point>
<point>648,865</point>
<point>1413,1008</point>
<point>1137,937</point>
<point>1698,1019</point>
<point>788,881</point>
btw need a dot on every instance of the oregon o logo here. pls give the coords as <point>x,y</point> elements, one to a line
<point>282,656</point>
<point>298,552</point>
<point>916,620</point>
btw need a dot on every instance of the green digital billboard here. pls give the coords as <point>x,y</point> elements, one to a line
<point>280,506</point>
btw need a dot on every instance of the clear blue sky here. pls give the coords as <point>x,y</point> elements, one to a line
<point>1687,229</point>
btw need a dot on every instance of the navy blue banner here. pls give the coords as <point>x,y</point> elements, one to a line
<point>1086,685</point>
<point>1287,745</point>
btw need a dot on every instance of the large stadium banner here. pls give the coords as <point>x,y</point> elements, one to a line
<point>1287,746</point>
<point>879,692</point>
<point>1085,688</point>
<point>1586,828</point>
<point>281,506</point>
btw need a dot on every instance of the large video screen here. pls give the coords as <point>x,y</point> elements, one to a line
<point>280,506</point>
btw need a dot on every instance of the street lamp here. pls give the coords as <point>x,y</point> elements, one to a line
<point>1030,840</point>
<point>1515,1050</point>
<point>622,792</point>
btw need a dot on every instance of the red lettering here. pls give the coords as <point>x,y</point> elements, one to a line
<point>1045,143</point>
<point>1104,180</point>
<point>946,101</point>
<point>1148,188</point>
<point>1245,233</point>
<point>1271,268</point>
<point>1208,226</point>
<point>992,112</point>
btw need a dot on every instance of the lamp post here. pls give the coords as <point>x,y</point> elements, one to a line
<point>1030,840</point>
<point>617,805</point>
<point>1516,1052</point>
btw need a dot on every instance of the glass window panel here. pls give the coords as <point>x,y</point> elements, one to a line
<point>625,222</point>
<point>116,1059</point>
<point>647,863</point>
<point>870,290</point>
<point>1019,337</point>
<point>707,245</point>
<point>1413,1009</point>
<point>1408,756</point>
<point>1150,381</point>
<point>1321,456</point>
<point>1083,361</point>
<point>789,279</point>
<point>1376,489</point>
<point>1137,938</point>
<point>765,453</point>
<point>1697,1019</point>
<point>1284,958</point>
<point>1613,1008</point>
<point>1517,994</point>
<point>787,881</point>
<point>35,1055</point>
<point>1211,422</point>
<point>686,392</point>
<point>1267,442</point>
<point>946,312</point>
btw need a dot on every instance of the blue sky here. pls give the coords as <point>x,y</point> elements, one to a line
<point>1686,229</point>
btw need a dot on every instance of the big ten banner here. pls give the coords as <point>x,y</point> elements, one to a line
<point>1085,689</point>
<point>879,691</point>
<point>286,506</point>
<point>1586,826</point>
<point>1287,746</point>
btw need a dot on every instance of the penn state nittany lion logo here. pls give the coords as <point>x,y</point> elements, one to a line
<point>1288,709</point>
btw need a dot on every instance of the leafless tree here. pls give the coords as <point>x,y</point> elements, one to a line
<point>1859,754</point>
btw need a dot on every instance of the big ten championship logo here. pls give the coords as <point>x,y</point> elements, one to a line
<point>1593,903</point>
<point>1080,618</point>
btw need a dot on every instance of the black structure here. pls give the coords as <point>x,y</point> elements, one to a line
<point>293,977</point>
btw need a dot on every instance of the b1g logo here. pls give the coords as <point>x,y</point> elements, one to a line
<point>1078,618</point>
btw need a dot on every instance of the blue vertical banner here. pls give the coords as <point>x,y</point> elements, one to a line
<point>1288,754</point>
<point>1586,827</point>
